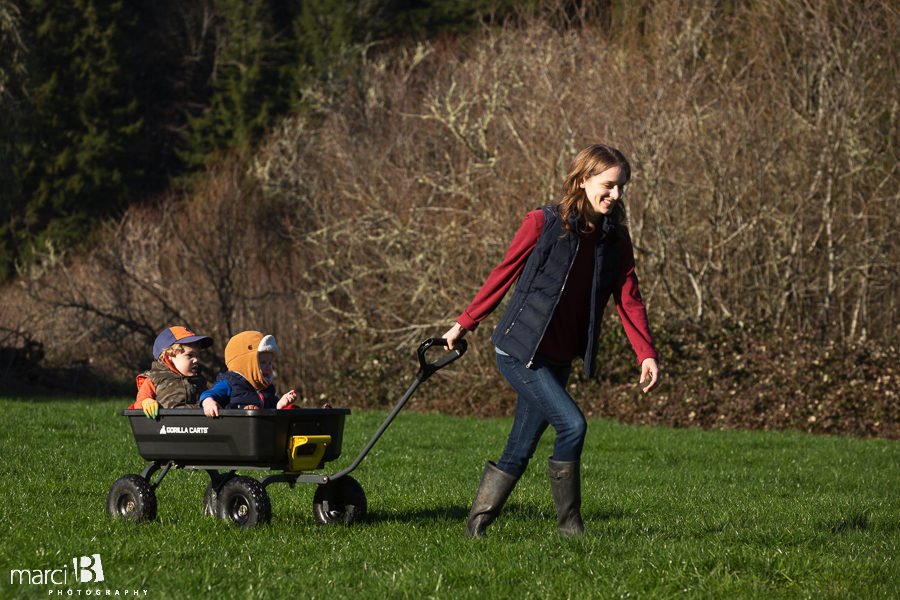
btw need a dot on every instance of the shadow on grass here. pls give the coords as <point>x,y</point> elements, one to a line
<point>859,520</point>
<point>461,514</point>
<point>855,521</point>
<point>450,513</point>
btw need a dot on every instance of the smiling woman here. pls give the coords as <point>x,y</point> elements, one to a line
<point>595,186</point>
<point>604,190</point>
<point>569,259</point>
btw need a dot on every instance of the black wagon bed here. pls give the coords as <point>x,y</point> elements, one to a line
<point>250,439</point>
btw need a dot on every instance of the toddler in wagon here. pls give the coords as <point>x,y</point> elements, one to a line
<point>174,379</point>
<point>248,382</point>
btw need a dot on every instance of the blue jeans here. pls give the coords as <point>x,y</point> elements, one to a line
<point>543,400</point>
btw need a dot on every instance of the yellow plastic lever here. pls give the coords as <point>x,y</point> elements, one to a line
<point>305,452</point>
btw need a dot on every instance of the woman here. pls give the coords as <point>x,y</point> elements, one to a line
<point>569,259</point>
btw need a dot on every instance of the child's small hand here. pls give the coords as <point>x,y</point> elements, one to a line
<point>150,407</point>
<point>210,407</point>
<point>287,399</point>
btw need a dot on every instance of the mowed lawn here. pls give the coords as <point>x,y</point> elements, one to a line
<point>669,514</point>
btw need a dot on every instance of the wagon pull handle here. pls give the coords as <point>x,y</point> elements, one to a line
<point>426,368</point>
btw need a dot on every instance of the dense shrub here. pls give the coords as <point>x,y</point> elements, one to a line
<point>736,376</point>
<point>764,149</point>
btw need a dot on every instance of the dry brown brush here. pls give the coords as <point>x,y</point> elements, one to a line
<point>764,142</point>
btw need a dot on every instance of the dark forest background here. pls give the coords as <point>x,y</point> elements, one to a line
<point>108,103</point>
<point>345,174</point>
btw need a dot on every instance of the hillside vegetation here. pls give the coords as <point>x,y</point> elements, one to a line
<point>763,209</point>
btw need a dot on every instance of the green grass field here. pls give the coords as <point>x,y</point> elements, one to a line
<point>669,513</point>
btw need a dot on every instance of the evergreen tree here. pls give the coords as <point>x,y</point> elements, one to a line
<point>323,31</point>
<point>119,97</point>
<point>247,86</point>
<point>12,113</point>
<point>75,163</point>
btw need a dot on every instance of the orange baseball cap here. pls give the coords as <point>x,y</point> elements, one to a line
<point>178,335</point>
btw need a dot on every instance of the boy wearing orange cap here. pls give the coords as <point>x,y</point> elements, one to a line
<point>248,382</point>
<point>174,380</point>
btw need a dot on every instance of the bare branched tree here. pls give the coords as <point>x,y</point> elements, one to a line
<point>764,140</point>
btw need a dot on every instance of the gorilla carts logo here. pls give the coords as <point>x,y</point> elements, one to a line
<point>167,429</point>
<point>88,569</point>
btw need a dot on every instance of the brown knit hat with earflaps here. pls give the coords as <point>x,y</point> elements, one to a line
<point>240,356</point>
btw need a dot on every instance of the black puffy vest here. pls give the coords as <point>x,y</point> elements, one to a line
<point>542,281</point>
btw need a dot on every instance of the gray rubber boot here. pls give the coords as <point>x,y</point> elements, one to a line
<point>565,483</point>
<point>492,493</point>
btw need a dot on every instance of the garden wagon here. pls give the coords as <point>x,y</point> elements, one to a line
<point>293,441</point>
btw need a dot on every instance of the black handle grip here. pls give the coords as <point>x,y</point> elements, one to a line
<point>459,348</point>
<point>427,369</point>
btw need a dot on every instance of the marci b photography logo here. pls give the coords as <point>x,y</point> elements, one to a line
<point>80,570</point>
<point>85,569</point>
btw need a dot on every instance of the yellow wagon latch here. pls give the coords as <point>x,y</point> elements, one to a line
<point>305,452</point>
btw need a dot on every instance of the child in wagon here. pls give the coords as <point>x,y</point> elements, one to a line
<point>248,382</point>
<point>174,380</point>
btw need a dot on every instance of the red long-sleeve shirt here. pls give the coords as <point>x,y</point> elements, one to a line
<point>566,335</point>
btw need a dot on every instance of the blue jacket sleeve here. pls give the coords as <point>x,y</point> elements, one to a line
<point>270,399</point>
<point>220,392</point>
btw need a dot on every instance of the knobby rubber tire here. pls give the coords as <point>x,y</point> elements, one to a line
<point>340,501</point>
<point>131,497</point>
<point>244,502</point>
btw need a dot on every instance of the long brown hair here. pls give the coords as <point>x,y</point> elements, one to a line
<point>589,162</point>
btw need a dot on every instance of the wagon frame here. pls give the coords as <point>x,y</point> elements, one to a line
<point>293,441</point>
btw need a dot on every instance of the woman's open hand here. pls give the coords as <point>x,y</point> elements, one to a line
<point>649,373</point>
